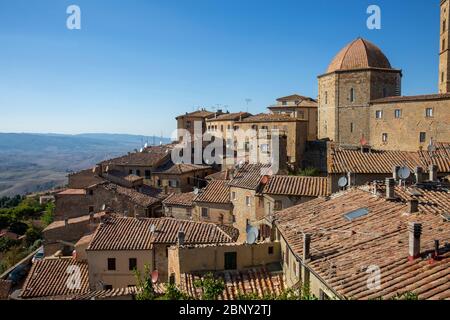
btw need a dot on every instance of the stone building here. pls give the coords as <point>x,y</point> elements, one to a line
<point>112,259</point>
<point>353,234</point>
<point>179,205</point>
<point>360,100</point>
<point>224,125</point>
<point>358,74</point>
<point>187,121</point>
<point>213,204</point>
<point>300,107</point>
<point>291,150</point>
<point>444,59</point>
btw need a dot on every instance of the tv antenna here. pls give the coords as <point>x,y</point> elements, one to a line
<point>247,101</point>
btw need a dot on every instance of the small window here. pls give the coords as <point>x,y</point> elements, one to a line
<point>107,287</point>
<point>148,173</point>
<point>278,205</point>
<point>398,113</point>
<point>352,127</point>
<point>247,201</point>
<point>379,114</point>
<point>422,137</point>
<point>233,195</point>
<point>138,173</point>
<point>205,213</point>
<point>429,112</point>
<point>284,103</point>
<point>91,209</point>
<point>91,192</point>
<point>233,217</point>
<point>132,264</point>
<point>352,95</point>
<point>326,97</point>
<point>130,171</point>
<point>384,137</point>
<point>173,183</point>
<point>111,264</point>
<point>384,92</point>
<point>270,250</point>
<point>287,258</point>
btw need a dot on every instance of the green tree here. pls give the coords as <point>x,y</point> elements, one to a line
<point>144,284</point>
<point>32,235</point>
<point>173,293</point>
<point>49,214</point>
<point>211,287</point>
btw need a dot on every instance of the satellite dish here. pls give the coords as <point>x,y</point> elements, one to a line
<point>251,238</point>
<point>155,276</point>
<point>145,145</point>
<point>196,191</point>
<point>152,228</point>
<point>252,234</point>
<point>104,207</point>
<point>342,182</point>
<point>404,173</point>
<point>141,150</point>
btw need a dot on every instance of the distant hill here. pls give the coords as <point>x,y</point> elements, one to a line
<point>37,162</point>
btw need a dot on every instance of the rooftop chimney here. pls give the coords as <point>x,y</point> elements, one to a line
<point>181,236</point>
<point>436,248</point>
<point>433,169</point>
<point>306,247</point>
<point>351,179</point>
<point>390,188</point>
<point>413,206</point>
<point>395,172</point>
<point>419,174</point>
<point>415,231</point>
<point>66,222</point>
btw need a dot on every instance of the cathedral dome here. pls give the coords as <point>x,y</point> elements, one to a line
<point>360,54</point>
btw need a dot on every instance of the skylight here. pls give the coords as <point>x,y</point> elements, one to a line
<point>356,214</point>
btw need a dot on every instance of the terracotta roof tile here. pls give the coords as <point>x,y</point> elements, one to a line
<point>198,114</point>
<point>353,160</point>
<point>231,117</point>
<point>181,168</point>
<point>253,281</point>
<point>342,250</point>
<point>249,176</point>
<point>297,186</point>
<point>135,234</point>
<point>269,117</point>
<point>222,175</point>
<point>180,199</point>
<point>217,191</point>
<point>150,157</point>
<point>50,278</point>
<point>359,54</point>
<point>134,196</point>
<point>428,97</point>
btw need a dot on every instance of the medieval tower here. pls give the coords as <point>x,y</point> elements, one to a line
<point>444,62</point>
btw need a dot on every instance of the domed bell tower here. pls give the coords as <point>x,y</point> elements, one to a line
<point>444,62</point>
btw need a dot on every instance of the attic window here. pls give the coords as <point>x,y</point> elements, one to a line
<point>356,214</point>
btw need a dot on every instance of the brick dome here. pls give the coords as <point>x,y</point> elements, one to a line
<point>360,54</point>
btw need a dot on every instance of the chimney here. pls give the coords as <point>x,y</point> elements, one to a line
<point>415,231</point>
<point>433,169</point>
<point>181,236</point>
<point>395,172</point>
<point>413,206</point>
<point>436,248</point>
<point>66,222</point>
<point>350,178</point>
<point>390,188</point>
<point>306,247</point>
<point>419,174</point>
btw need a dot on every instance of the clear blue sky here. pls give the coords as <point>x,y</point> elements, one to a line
<point>136,64</point>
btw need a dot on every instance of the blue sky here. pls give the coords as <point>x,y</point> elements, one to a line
<point>136,64</point>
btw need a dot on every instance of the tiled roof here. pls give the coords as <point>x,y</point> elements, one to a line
<point>297,186</point>
<point>50,278</point>
<point>217,191</point>
<point>359,54</point>
<point>135,234</point>
<point>5,288</point>
<point>428,97</point>
<point>61,223</point>
<point>249,176</point>
<point>230,117</point>
<point>181,168</point>
<point>342,249</point>
<point>253,281</point>
<point>269,117</point>
<point>180,199</point>
<point>295,97</point>
<point>150,157</point>
<point>107,294</point>
<point>222,175</point>
<point>198,114</point>
<point>134,196</point>
<point>353,160</point>
<point>72,192</point>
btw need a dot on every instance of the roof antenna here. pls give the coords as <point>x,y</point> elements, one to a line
<point>247,101</point>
